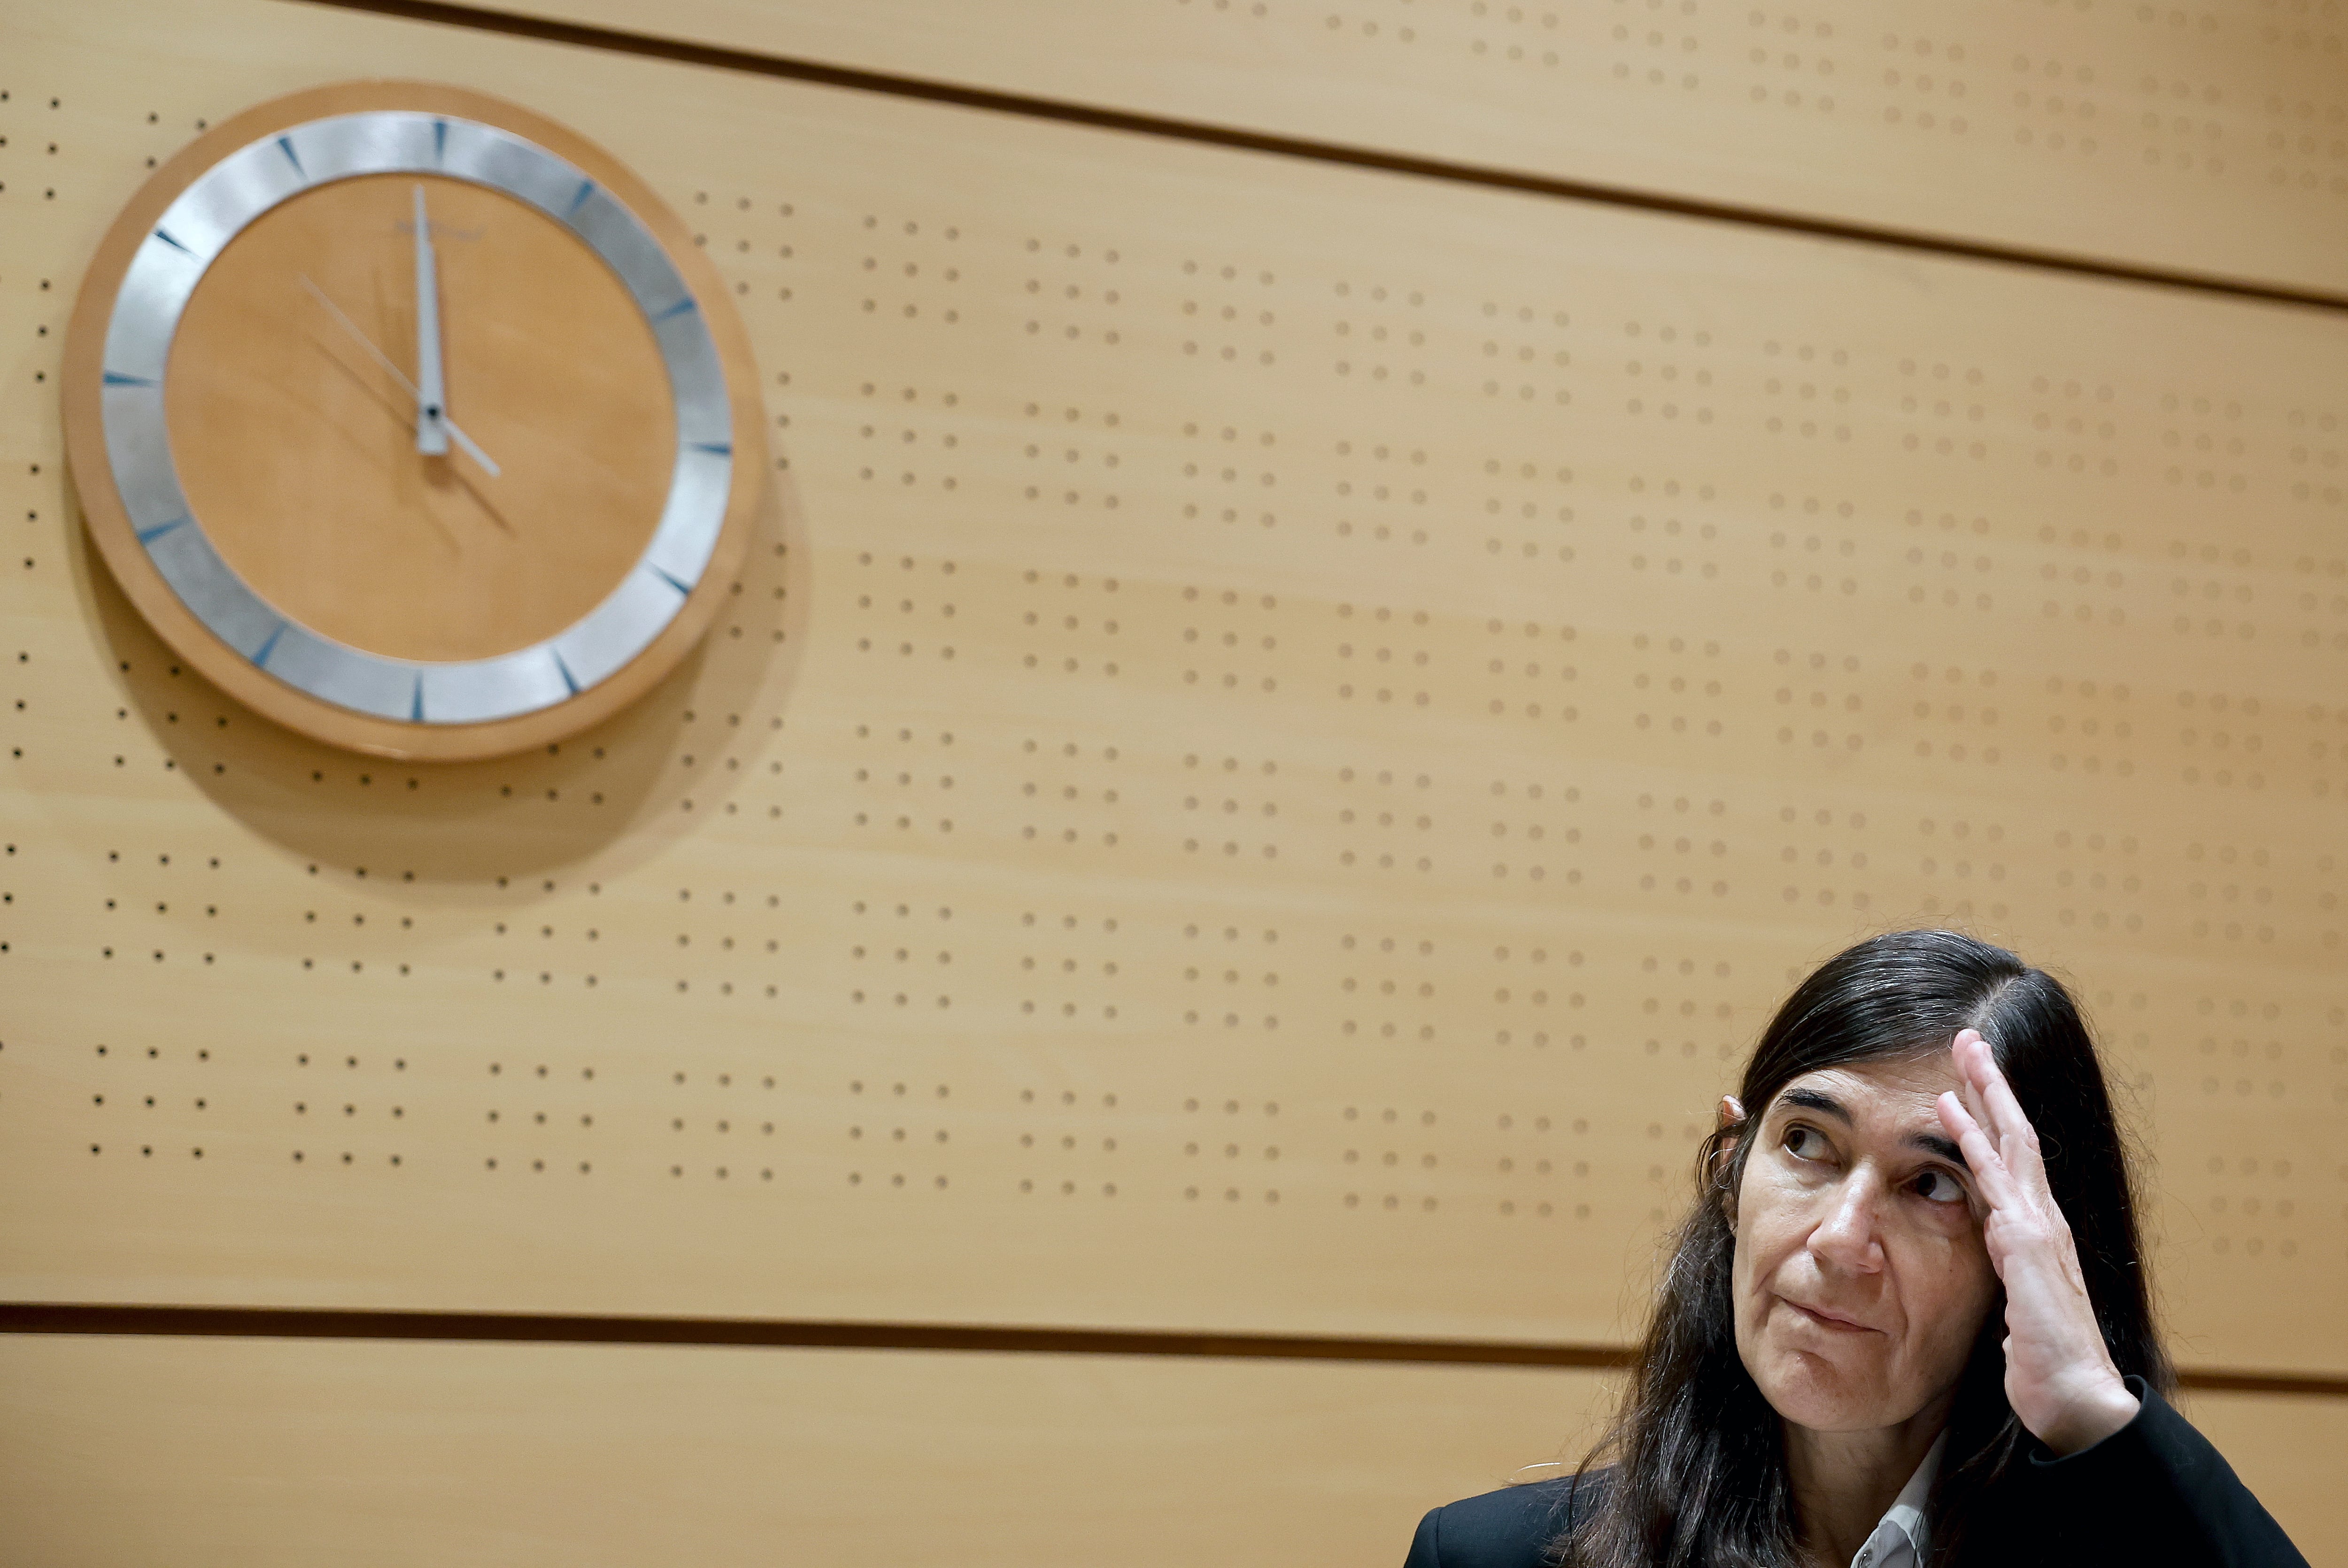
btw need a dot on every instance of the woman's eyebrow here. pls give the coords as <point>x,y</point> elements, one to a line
<point>1939,1145</point>
<point>1811,1100</point>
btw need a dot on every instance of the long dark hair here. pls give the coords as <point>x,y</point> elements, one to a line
<point>1699,1475</point>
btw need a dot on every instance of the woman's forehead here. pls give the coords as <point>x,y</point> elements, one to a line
<point>1896,1088</point>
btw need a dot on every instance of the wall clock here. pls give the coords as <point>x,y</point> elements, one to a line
<point>412,421</point>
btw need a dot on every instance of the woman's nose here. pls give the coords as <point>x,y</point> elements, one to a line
<point>1845,1236</point>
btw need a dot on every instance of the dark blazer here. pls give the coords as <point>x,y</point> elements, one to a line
<point>2154,1492</point>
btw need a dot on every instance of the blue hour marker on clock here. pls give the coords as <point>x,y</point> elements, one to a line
<point>285,146</point>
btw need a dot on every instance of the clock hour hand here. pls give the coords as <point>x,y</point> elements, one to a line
<point>455,432</point>
<point>432,391</point>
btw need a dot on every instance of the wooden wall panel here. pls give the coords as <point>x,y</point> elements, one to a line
<point>247,1453</point>
<point>250,1453</point>
<point>2210,138</point>
<point>1288,727</point>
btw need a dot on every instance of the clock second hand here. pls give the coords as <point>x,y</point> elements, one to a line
<point>457,434</point>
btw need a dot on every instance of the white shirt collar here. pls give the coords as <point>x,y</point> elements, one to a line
<point>1903,1538</point>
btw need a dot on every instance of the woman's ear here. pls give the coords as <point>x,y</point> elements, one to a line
<point>1724,1153</point>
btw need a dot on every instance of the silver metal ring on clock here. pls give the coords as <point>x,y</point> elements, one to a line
<point>162,277</point>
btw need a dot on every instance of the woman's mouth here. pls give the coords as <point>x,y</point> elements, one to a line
<point>1831,1321</point>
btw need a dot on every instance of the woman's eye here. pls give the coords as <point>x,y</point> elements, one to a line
<point>1805,1143</point>
<point>1940,1187</point>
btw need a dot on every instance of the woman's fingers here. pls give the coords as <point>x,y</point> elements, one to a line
<point>2023,1142</point>
<point>2024,1229</point>
<point>1974,1067</point>
<point>1991,1176</point>
<point>1966,1051</point>
<point>2017,1140</point>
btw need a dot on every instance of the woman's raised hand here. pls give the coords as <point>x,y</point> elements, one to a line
<point>2059,1376</point>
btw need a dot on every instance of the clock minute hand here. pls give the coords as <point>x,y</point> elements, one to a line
<point>432,394</point>
<point>455,430</point>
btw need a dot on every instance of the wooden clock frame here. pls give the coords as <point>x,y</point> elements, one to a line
<point>115,534</point>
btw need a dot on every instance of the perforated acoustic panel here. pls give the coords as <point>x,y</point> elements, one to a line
<point>2209,136</point>
<point>1288,727</point>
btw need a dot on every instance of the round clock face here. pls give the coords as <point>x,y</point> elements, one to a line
<point>412,421</point>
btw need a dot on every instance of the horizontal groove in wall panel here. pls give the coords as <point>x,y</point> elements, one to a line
<point>1323,891</point>
<point>280,1322</point>
<point>229,1322</point>
<point>2209,142</point>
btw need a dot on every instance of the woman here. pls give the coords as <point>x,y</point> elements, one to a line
<point>1906,1325</point>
